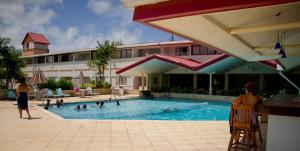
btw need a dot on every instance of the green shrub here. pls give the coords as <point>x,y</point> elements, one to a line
<point>64,85</point>
<point>103,85</point>
<point>84,86</point>
<point>106,85</point>
<point>52,84</point>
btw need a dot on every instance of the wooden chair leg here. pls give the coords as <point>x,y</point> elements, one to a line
<point>237,139</point>
<point>258,129</point>
<point>254,141</point>
<point>248,135</point>
<point>231,140</point>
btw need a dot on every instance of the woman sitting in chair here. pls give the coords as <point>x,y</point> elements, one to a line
<point>249,98</point>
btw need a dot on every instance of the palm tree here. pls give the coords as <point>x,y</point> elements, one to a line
<point>103,55</point>
<point>10,62</point>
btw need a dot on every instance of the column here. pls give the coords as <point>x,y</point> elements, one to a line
<point>195,82</point>
<point>168,81</point>
<point>143,81</point>
<point>160,81</point>
<point>110,71</point>
<point>147,82</point>
<point>261,81</point>
<point>226,82</point>
<point>210,84</point>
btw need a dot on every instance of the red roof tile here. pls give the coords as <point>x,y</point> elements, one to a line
<point>38,38</point>
<point>183,62</point>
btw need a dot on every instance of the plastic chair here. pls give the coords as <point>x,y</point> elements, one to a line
<point>61,94</point>
<point>242,118</point>
<point>50,94</point>
<point>11,94</point>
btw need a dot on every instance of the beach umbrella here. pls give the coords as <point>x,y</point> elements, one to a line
<point>81,77</point>
<point>38,77</point>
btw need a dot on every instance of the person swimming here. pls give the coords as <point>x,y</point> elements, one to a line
<point>61,102</point>
<point>84,107</point>
<point>47,104</point>
<point>167,110</point>
<point>101,104</point>
<point>77,108</point>
<point>97,103</point>
<point>118,103</point>
<point>58,103</point>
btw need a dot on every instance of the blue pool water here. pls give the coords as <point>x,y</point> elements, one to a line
<point>142,109</point>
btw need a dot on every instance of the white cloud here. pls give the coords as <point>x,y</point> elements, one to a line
<point>17,17</point>
<point>71,39</point>
<point>99,6</point>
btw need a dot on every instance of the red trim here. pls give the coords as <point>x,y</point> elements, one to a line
<point>186,63</point>
<point>179,8</point>
<point>271,64</point>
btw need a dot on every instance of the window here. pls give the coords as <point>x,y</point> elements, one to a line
<point>123,80</point>
<point>30,45</point>
<point>211,52</point>
<point>154,51</point>
<point>83,56</point>
<point>38,60</point>
<point>127,53</point>
<point>94,55</point>
<point>147,51</point>
<point>66,57</point>
<point>55,58</point>
<point>181,51</point>
<point>196,50</point>
<point>49,59</point>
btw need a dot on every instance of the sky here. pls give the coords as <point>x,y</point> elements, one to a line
<point>73,24</point>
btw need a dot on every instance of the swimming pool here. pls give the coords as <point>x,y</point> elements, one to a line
<point>143,109</point>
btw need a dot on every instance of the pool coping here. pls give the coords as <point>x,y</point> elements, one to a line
<point>40,106</point>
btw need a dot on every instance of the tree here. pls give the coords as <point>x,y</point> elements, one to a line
<point>10,62</point>
<point>103,55</point>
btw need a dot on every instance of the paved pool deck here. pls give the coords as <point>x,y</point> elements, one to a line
<point>46,132</point>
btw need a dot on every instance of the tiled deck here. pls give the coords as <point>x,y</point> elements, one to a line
<point>47,132</point>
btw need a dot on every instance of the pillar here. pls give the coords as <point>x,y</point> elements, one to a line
<point>143,82</point>
<point>210,84</point>
<point>261,81</point>
<point>110,81</point>
<point>195,86</point>
<point>226,82</point>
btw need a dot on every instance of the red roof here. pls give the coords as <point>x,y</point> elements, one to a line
<point>269,63</point>
<point>38,38</point>
<point>186,63</point>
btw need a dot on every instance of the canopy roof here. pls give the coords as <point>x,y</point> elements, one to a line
<point>245,29</point>
<point>179,65</point>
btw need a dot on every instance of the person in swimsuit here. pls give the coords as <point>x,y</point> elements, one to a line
<point>22,97</point>
<point>249,98</point>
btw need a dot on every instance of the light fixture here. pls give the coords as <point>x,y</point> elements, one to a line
<point>279,45</point>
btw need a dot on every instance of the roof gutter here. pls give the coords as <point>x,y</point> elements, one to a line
<point>136,3</point>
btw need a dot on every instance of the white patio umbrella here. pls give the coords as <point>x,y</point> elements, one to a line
<point>38,77</point>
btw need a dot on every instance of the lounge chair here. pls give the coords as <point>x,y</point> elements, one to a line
<point>11,94</point>
<point>59,93</point>
<point>50,94</point>
<point>90,91</point>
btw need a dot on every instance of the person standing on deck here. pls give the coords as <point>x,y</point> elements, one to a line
<point>22,97</point>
